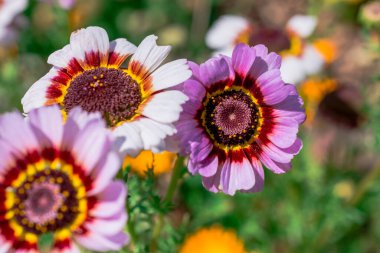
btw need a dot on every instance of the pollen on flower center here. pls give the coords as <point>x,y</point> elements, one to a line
<point>42,202</point>
<point>231,117</point>
<point>46,201</point>
<point>110,91</point>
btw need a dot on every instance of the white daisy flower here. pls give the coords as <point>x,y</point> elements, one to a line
<point>135,100</point>
<point>9,11</point>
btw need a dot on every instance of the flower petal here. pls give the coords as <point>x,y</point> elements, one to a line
<point>225,31</point>
<point>120,49</point>
<point>170,74</point>
<point>165,106</point>
<point>147,57</point>
<point>303,25</point>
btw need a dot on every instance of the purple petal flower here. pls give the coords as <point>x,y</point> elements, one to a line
<point>58,178</point>
<point>240,115</point>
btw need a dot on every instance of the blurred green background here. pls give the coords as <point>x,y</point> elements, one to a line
<point>328,202</point>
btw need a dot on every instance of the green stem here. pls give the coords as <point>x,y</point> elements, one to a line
<point>176,175</point>
<point>364,185</point>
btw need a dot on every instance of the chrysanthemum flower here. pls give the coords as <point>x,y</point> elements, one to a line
<point>300,58</point>
<point>9,11</point>
<point>57,179</point>
<point>240,114</point>
<point>213,239</point>
<point>160,163</point>
<point>134,100</point>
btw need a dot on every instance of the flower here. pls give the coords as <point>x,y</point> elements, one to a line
<point>135,101</point>
<point>58,179</point>
<point>213,239</point>
<point>160,163</point>
<point>9,12</point>
<point>300,58</point>
<point>240,114</point>
<point>313,90</point>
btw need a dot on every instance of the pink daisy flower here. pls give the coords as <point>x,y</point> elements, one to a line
<point>58,179</point>
<point>240,115</point>
<point>134,100</point>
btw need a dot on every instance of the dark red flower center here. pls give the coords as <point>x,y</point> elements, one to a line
<point>46,202</point>
<point>110,91</point>
<point>230,117</point>
<point>275,39</point>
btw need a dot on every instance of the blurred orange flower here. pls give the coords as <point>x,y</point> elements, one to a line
<point>214,239</point>
<point>160,163</point>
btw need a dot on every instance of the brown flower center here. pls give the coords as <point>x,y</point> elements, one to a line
<point>112,92</point>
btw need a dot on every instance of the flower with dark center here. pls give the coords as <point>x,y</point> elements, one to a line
<point>240,115</point>
<point>58,178</point>
<point>9,13</point>
<point>135,101</point>
<point>300,58</point>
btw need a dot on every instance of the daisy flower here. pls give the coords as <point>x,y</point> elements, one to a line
<point>299,57</point>
<point>57,179</point>
<point>160,163</point>
<point>240,114</point>
<point>9,11</point>
<point>213,239</point>
<point>134,100</point>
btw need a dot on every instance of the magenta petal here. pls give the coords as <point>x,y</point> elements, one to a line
<point>212,183</point>
<point>215,70</point>
<point>209,166</point>
<point>200,150</point>
<point>295,148</point>
<point>283,135</point>
<point>242,59</point>
<point>275,153</point>
<point>195,69</point>
<point>276,167</point>
<point>259,176</point>
<point>291,106</point>
<point>194,90</point>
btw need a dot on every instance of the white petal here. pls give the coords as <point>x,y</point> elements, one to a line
<point>170,74</point>
<point>153,134</point>
<point>121,48</point>
<point>132,143</point>
<point>90,40</point>
<point>165,106</point>
<point>312,60</point>
<point>148,57</point>
<point>292,70</point>
<point>9,9</point>
<point>36,95</point>
<point>303,25</point>
<point>61,57</point>
<point>225,30</point>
